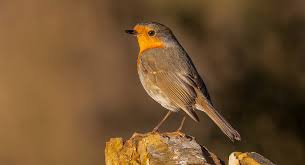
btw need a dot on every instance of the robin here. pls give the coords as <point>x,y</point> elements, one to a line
<point>169,76</point>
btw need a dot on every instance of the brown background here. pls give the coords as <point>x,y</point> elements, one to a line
<point>68,79</point>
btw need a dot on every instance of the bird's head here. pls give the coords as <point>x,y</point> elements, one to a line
<point>152,35</point>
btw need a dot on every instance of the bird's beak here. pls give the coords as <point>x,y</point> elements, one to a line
<point>133,32</point>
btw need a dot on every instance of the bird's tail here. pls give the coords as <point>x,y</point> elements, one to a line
<point>205,106</point>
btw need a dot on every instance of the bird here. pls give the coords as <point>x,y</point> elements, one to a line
<point>169,76</point>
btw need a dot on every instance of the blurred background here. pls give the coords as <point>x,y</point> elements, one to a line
<point>69,81</point>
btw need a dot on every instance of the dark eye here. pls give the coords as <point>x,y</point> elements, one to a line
<point>151,33</point>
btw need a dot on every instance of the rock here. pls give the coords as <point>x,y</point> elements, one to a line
<point>158,148</point>
<point>248,158</point>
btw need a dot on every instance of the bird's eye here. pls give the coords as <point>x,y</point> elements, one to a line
<point>151,33</point>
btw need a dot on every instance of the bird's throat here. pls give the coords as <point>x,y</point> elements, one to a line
<point>146,43</point>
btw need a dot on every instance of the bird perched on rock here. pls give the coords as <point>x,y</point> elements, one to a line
<point>169,76</point>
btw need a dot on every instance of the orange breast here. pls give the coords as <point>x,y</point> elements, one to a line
<point>146,42</point>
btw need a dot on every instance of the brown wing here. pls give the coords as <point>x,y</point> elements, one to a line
<point>176,87</point>
<point>174,60</point>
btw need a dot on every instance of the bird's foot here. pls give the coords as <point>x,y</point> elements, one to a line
<point>178,130</point>
<point>155,130</point>
<point>136,134</point>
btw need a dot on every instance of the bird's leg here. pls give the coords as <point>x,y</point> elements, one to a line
<point>181,124</point>
<point>162,121</point>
